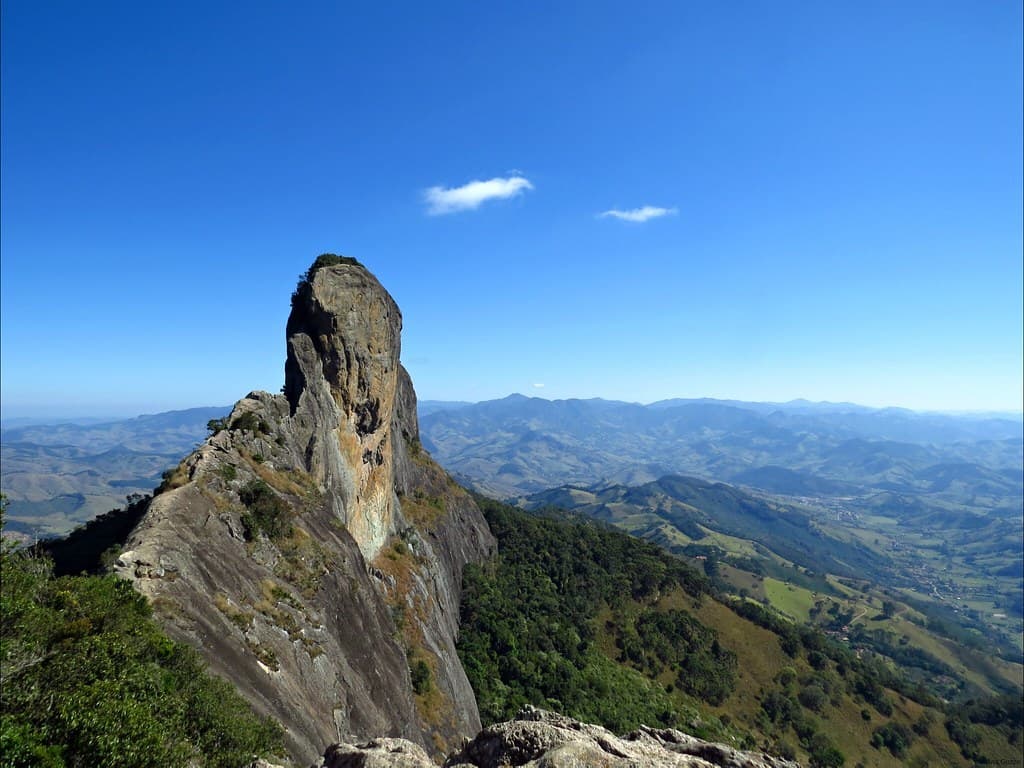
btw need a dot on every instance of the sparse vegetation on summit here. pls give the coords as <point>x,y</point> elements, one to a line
<point>323,260</point>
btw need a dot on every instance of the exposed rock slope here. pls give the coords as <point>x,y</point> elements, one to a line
<point>311,550</point>
<point>540,739</point>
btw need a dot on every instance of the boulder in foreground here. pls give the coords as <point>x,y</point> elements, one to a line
<point>540,739</point>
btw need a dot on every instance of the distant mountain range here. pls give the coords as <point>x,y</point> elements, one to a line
<point>57,476</point>
<point>521,445</point>
<point>923,502</point>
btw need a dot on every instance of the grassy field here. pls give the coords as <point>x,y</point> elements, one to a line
<point>795,602</point>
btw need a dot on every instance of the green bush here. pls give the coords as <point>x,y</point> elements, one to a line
<point>213,426</point>
<point>923,725</point>
<point>266,512</point>
<point>813,697</point>
<point>784,749</point>
<point>894,737</point>
<point>323,260</point>
<point>658,640</point>
<point>90,679</point>
<point>420,672</point>
<point>786,677</point>
<point>328,260</point>
<point>817,659</point>
<point>965,736</point>
<point>250,422</point>
<point>780,707</point>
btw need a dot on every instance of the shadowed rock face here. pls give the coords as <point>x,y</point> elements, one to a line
<point>318,624</point>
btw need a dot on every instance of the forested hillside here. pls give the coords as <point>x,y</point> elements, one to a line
<point>577,617</point>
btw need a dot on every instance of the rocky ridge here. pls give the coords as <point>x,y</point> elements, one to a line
<point>311,550</point>
<point>540,739</point>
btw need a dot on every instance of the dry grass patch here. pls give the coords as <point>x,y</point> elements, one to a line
<point>240,617</point>
<point>220,502</point>
<point>173,478</point>
<point>423,511</point>
<point>290,481</point>
<point>303,561</point>
<point>264,655</point>
<point>409,611</point>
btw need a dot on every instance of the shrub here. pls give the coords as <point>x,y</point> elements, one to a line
<point>823,753</point>
<point>779,707</point>
<point>323,260</point>
<point>327,260</point>
<point>786,677</point>
<point>420,672</point>
<point>817,659</point>
<point>813,697</point>
<point>894,737</point>
<point>267,512</point>
<point>965,736</point>
<point>784,749</point>
<point>89,679</point>
<point>924,724</point>
<point>249,421</point>
<point>213,426</point>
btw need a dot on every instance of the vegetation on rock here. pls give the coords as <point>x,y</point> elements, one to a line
<point>90,680</point>
<point>249,421</point>
<point>266,512</point>
<point>323,260</point>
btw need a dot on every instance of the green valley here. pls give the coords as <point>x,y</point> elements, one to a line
<point>574,616</point>
<point>794,558</point>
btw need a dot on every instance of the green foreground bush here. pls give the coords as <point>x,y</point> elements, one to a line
<point>89,679</point>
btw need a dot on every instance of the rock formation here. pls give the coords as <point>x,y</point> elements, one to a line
<point>540,739</point>
<point>311,550</point>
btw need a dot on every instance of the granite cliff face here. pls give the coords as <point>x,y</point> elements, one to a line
<point>311,550</point>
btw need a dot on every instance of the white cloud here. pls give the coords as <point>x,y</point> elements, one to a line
<point>538,386</point>
<point>639,214</point>
<point>441,200</point>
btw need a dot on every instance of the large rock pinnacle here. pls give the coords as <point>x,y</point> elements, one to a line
<point>342,372</point>
<point>310,549</point>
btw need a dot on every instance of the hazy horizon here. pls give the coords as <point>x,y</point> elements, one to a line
<point>13,417</point>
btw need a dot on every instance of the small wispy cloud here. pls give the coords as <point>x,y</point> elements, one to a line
<point>538,385</point>
<point>638,214</point>
<point>441,200</point>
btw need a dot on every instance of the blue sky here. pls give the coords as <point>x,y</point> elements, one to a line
<point>841,186</point>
